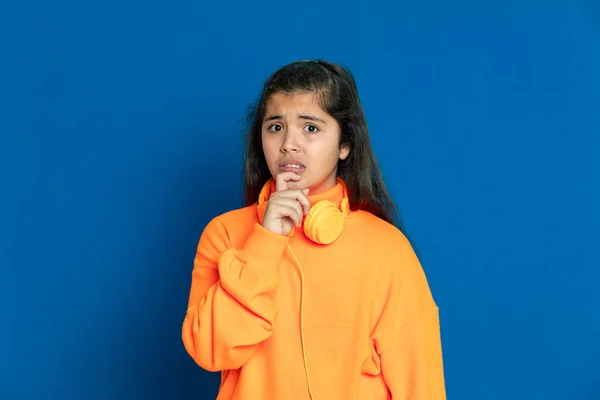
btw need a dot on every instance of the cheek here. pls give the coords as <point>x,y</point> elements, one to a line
<point>329,154</point>
<point>270,148</point>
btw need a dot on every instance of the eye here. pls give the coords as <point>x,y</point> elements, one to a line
<point>275,128</point>
<point>311,129</point>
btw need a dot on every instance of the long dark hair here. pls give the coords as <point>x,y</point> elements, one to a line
<point>339,98</point>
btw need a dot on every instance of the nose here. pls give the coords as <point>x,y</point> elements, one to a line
<point>290,143</point>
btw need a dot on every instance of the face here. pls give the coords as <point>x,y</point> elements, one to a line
<point>298,136</point>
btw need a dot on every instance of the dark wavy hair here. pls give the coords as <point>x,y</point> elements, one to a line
<point>338,94</point>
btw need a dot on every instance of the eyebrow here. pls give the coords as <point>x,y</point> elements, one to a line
<point>301,116</point>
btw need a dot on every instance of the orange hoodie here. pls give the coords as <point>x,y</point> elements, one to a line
<point>285,318</point>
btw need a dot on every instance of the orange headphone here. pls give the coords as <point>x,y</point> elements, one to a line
<point>325,220</point>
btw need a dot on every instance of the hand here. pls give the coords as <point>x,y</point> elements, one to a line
<point>286,207</point>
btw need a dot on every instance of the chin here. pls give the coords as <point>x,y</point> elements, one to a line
<point>297,185</point>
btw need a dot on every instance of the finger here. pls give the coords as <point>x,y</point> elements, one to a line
<point>290,201</point>
<point>292,212</point>
<point>299,195</point>
<point>306,204</point>
<point>282,180</point>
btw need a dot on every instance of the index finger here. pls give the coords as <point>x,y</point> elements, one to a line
<point>282,180</point>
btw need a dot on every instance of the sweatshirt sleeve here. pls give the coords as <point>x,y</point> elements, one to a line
<point>232,304</point>
<point>407,334</point>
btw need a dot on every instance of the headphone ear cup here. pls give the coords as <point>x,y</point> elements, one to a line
<point>324,223</point>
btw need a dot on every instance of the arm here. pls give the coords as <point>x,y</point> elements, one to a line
<point>407,335</point>
<point>232,297</point>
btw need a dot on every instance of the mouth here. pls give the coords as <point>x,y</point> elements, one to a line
<point>292,166</point>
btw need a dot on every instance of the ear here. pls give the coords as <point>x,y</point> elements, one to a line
<point>344,151</point>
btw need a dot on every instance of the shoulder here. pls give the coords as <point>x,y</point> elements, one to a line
<point>377,234</point>
<point>388,249</point>
<point>234,218</point>
<point>230,227</point>
<point>394,260</point>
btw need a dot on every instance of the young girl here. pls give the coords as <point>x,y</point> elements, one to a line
<point>310,291</point>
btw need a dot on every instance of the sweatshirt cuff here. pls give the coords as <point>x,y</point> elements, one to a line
<point>263,246</point>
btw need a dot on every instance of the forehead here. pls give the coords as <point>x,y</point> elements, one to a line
<point>283,103</point>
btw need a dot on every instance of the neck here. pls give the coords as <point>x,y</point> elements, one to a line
<point>334,193</point>
<point>324,186</point>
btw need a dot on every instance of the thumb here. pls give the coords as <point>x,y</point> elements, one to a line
<point>305,191</point>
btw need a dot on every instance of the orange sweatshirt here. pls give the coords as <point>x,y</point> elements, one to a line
<point>285,318</point>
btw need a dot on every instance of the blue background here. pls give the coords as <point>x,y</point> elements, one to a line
<point>121,136</point>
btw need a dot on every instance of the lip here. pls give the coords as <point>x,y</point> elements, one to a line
<point>292,169</point>
<point>291,161</point>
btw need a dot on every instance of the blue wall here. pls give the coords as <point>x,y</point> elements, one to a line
<point>120,138</point>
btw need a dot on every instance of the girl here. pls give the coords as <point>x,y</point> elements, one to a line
<point>311,291</point>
